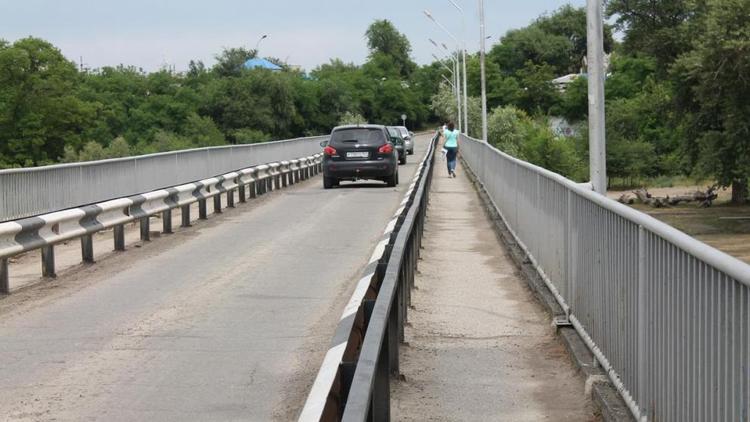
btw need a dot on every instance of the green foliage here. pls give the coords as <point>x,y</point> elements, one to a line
<point>350,118</point>
<point>383,39</point>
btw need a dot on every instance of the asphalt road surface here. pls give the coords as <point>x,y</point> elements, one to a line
<point>227,320</point>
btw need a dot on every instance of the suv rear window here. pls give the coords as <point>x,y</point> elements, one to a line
<point>360,136</point>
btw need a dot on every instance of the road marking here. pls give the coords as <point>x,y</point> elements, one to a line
<point>316,401</point>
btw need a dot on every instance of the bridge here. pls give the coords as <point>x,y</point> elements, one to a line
<point>510,293</point>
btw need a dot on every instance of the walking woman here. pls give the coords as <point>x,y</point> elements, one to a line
<point>451,145</point>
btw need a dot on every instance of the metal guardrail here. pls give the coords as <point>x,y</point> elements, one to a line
<point>352,382</point>
<point>44,231</point>
<point>39,190</point>
<point>667,316</point>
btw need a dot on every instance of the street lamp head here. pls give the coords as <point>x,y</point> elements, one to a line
<point>433,42</point>
<point>444,46</point>
<point>429,15</point>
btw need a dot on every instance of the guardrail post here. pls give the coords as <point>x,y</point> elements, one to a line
<point>145,228</point>
<point>185,215</point>
<point>87,248</point>
<point>4,277</point>
<point>243,193</point>
<point>380,403</point>
<point>395,326</point>
<point>166,221</point>
<point>269,184</point>
<point>253,192</point>
<point>230,198</point>
<point>277,182</point>
<point>217,203</point>
<point>119,237</point>
<point>284,178</point>
<point>202,211</point>
<point>48,261</point>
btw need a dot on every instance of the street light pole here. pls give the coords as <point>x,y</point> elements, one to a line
<point>458,68</point>
<point>597,133</point>
<point>481,65</point>
<point>466,91</point>
<point>257,44</point>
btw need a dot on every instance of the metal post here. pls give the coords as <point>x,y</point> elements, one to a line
<point>243,194</point>
<point>230,198</point>
<point>466,95</point>
<point>202,212</point>
<point>185,215</point>
<point>380,404</point>
<point>597,134</point>
<point>481,66</point>
<point>146,229</point>
<point>48,261</point>
<point>166,221</point>
<point>217,203</point>
<point>253,191</point>
<point>119,237</point>
<point>87,248</point>
<point>642,323</point>
<point>457,74</point>
<point>4,277</point>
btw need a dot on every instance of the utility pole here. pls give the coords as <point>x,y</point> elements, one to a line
<point>481,65</point>
<point>597,132</point>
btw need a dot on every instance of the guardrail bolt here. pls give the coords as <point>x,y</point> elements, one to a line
<point>166,221</point>
<point>119,237</point>
<point>145,228</point>
<point>48,261</point>
<point>87,249</point>
<point>4,277</point>
<point>185,215</point>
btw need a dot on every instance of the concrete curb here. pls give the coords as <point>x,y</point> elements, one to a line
<point>603,393</point>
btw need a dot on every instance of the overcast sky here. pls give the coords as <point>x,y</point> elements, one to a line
<point>149,33</point>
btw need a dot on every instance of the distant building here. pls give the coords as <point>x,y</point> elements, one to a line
<point>562,82</point>
<point>261,63</point>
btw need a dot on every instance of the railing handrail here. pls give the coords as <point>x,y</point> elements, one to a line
<point>146,156</point>
<point>722,261</point>
<point>360,393</point>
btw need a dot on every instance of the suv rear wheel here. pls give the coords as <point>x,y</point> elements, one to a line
<point>392,181</point>
<point>329,182</point>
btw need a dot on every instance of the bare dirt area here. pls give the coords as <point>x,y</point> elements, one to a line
<point>723,226</point>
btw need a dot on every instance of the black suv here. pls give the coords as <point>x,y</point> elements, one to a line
<point>359,152</point>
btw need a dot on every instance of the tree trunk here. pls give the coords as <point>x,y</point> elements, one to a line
<point>739,191</point>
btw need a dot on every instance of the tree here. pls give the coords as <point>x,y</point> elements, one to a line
<point>656,28</point>
<point>716,71</point>
<point>231,61</point>
<point>384,39</point>
<point>39,111</point>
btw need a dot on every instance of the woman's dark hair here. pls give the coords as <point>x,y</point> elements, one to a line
<point>451,126</point>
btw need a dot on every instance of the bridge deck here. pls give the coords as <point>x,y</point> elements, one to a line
<point>227,320</point>
<point>480,347</point>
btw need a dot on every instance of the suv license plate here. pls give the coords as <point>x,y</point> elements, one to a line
<point>363,154</point>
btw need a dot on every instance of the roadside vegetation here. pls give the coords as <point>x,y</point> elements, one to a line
<point>51,111</point>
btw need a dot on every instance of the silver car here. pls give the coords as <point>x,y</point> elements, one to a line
<point>408,142</point>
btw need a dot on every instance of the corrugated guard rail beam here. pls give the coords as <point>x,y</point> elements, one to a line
<point>330,394</point>
<point>667,316</point>
<point>45,231</point>
<point>34,191</point>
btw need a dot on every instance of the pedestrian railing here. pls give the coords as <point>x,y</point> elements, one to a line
<point>666,316</point>
<point>40,190</point>
<point>353,381</point>
<point>45,231</point>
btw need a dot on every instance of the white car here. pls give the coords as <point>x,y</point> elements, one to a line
<point>408,142</point>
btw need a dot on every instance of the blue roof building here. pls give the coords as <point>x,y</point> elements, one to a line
<point>261,63</point>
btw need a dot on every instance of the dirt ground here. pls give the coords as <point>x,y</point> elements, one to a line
<point>723,226</point>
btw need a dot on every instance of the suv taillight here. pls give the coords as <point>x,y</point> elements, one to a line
<point>386,149</point>
<point>329,151</point>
